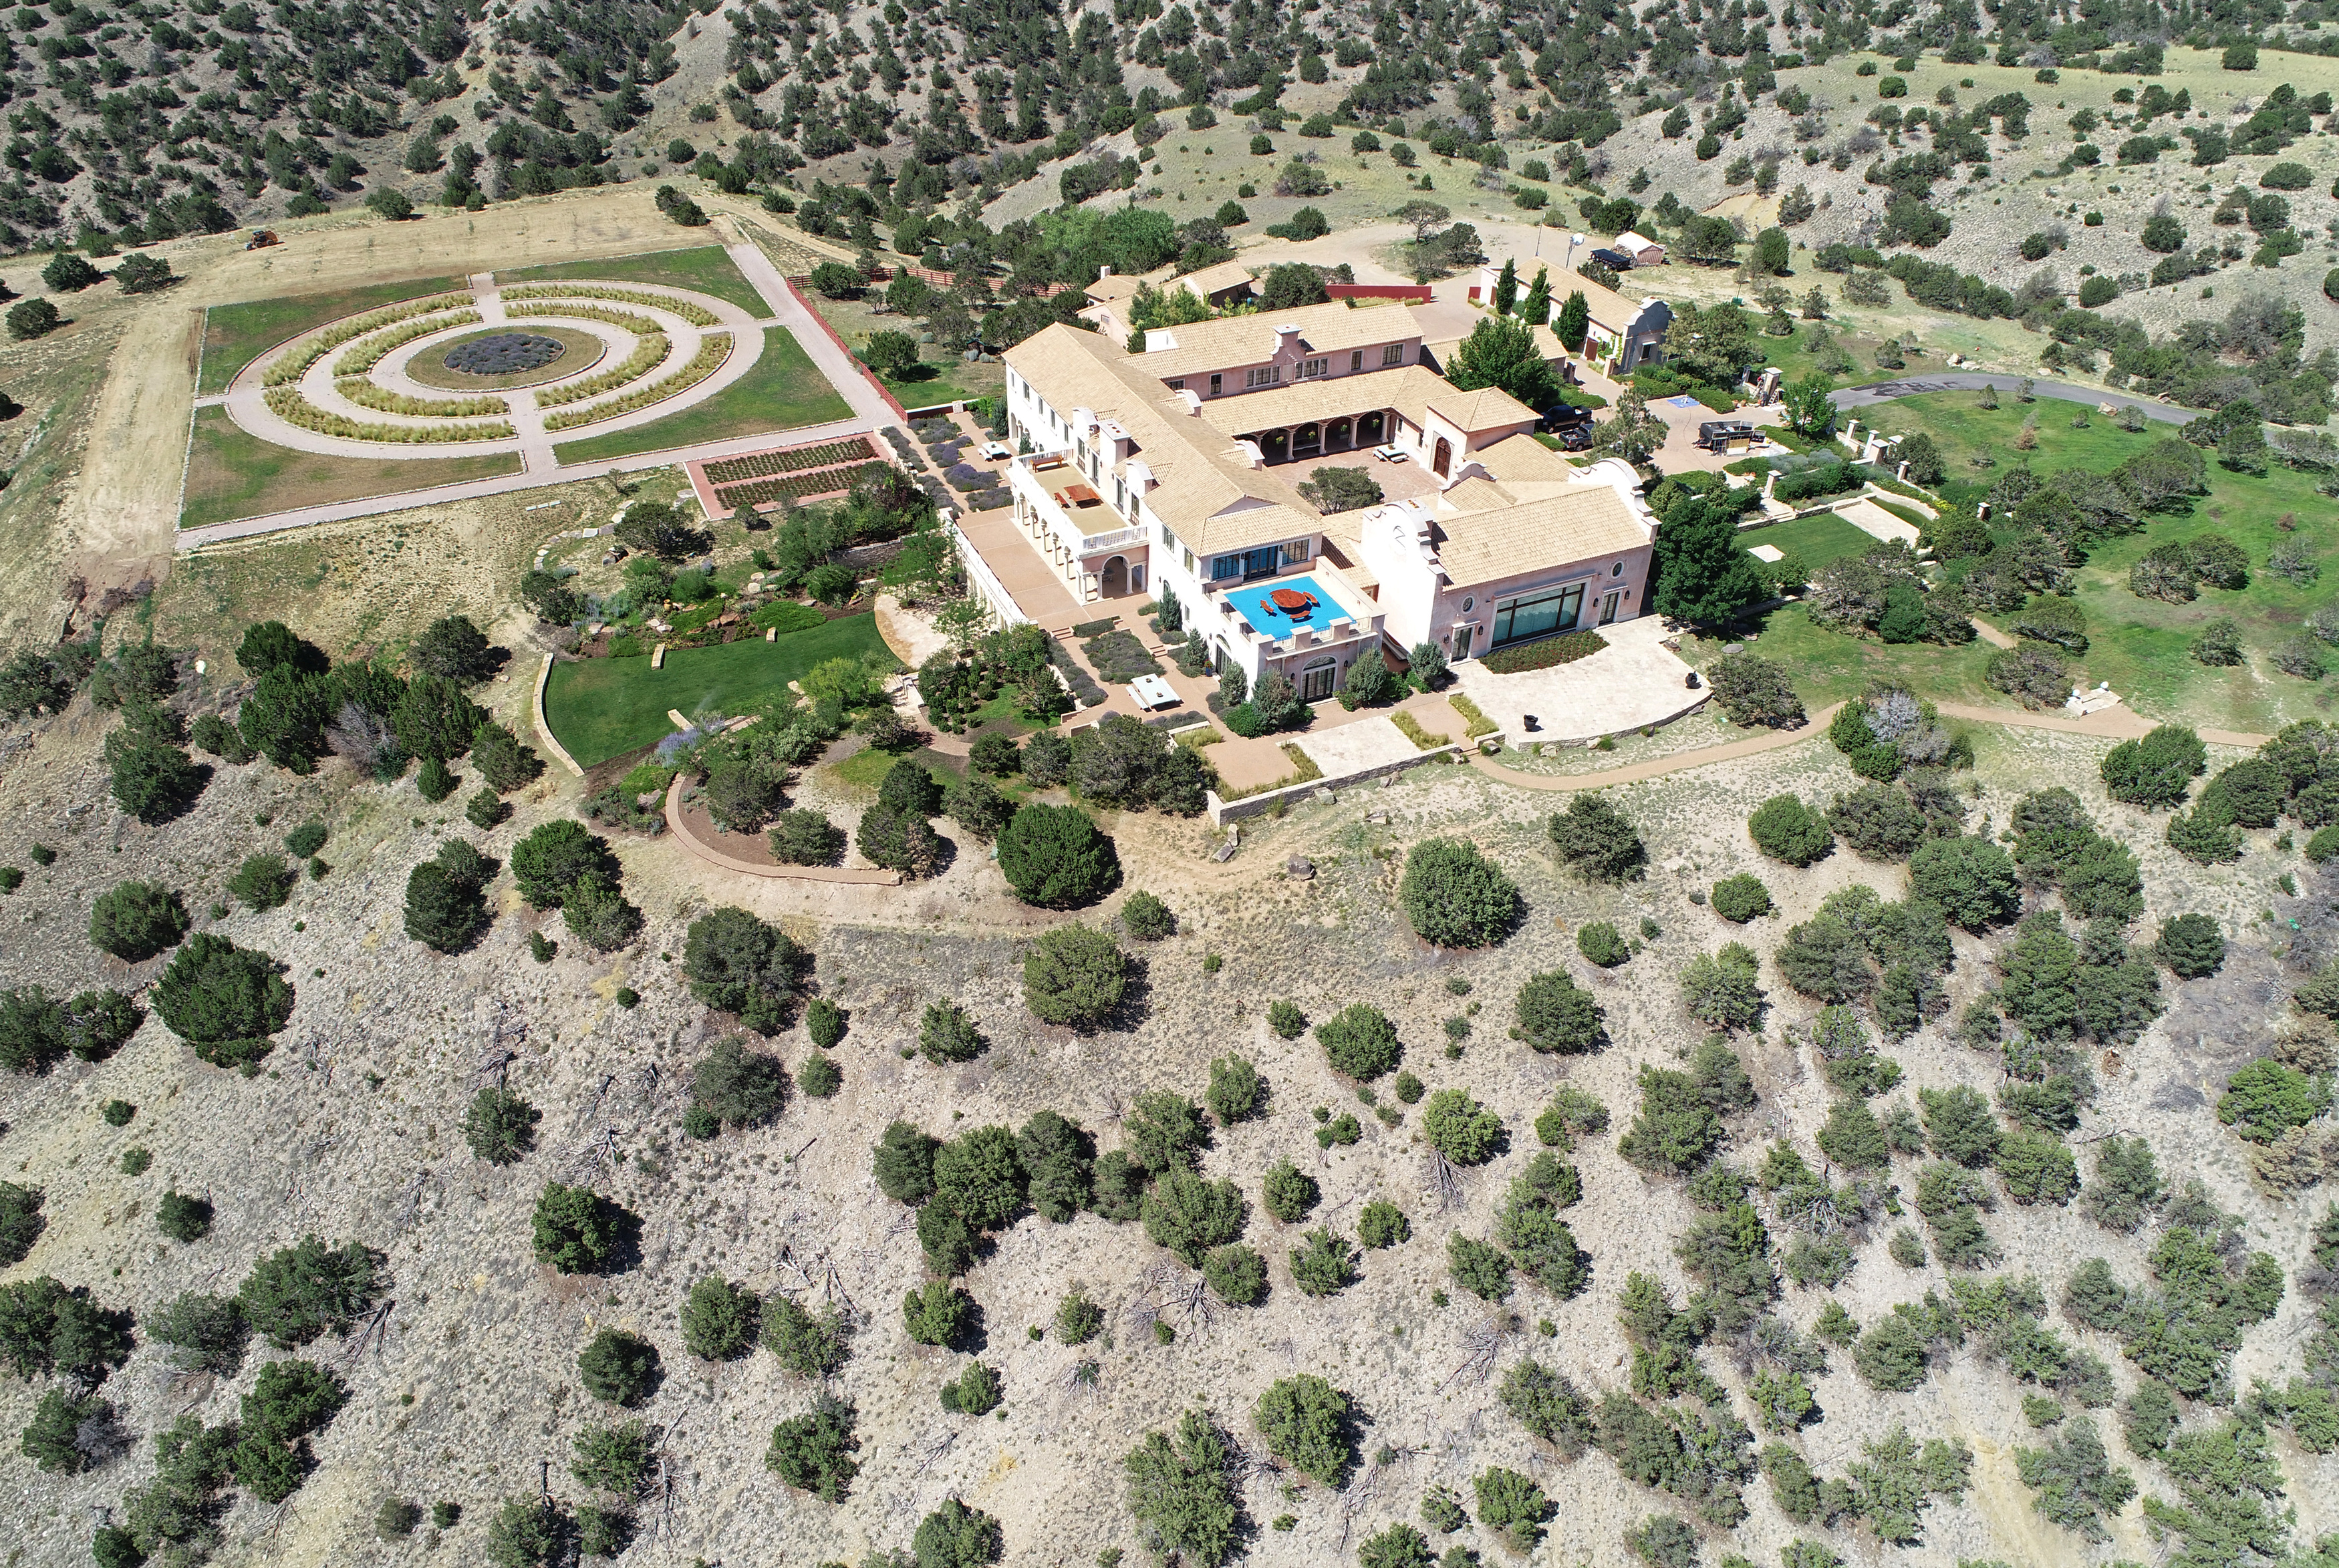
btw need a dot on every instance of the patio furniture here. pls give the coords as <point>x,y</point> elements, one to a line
<point>1389,454</point>
<point>1152,692</point>
<point>1293,603</point>
<point>994,450</point>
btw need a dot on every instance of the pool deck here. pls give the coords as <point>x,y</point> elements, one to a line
<point>1251,600</point>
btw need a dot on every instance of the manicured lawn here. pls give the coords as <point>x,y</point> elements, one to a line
<point>2139,645</point>
<point>235,335</point>
<point>1815,540</point>
<point>705,268</point>
<point>784,391</point>
<point>602,708</point>
<point>233,474</point>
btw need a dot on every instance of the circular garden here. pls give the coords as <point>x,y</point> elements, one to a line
<point>502,359</point>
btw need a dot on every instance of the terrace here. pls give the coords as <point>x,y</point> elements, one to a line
<point>1092,549</point>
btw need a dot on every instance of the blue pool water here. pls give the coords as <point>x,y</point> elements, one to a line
<point>1270,622</point>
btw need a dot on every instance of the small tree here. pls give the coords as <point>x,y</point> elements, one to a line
<point>1453,896</point>
<point>948,1033</point>
<point>1461,1129</point>
<point>2191,945</point>
<point>300,1292</point>
<point>579,1231</point>
<point>1236,1275</point>
<point>137,920</point>
<point>1555,1014</point>
<point>1789,832</point>
<point>1074,974</point>
<point>1236,1092</point>
<point>1287,1193</point>
<point>1754,691</point>
<point>224,1000</point>
<point>742,1087</point>
<point>499,1126</point>
<point>1308,1424</point>
<point>1054,857</point>
<point>742,965</point>
<point>1359,1042</point>
<point>814,1452</point>
<point>937,1313</point>
<point>1597,840</point>
<point>1740,898</point>
<point>453,648</point>
<point>720,1320</point>
<point>1181,1492</point>
<point>617,1367</point>
<point>446,902</point>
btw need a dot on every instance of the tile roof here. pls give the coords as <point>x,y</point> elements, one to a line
<point>1206,490</point>
<point>1210,279</point>
<point>1547,342</point>
<point>1251,339</point>
<point>1584,522</point>
<point>1482,410</point>
<point>1327,397</point>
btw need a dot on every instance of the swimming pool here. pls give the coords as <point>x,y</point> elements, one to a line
<point>1259,608</point>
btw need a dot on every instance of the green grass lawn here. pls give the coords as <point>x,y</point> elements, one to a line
<point>2141,646</point>
<point>602,708</point>
<point>233,474</point>
<point>784,391</point>
<point>235,335</point>
<point>705,268</point>
<point>1815,540</point>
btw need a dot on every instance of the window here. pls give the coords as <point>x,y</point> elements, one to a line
<point>1311,369</point>
<point>1166,541</point>
<point>1189,558</point>
<point>1617,570</point>
<point>1119,494</point>
<point>1296,552</point>
<point>1223,567</point>
<point>1468,604</point>
<point>1357,362</point>
<point>1315,681</point>
<point>1535,614</point>
<point>1178,385</point>
<point>1394,354</point>
<point>1216,385</point>
<point>1263,376</point>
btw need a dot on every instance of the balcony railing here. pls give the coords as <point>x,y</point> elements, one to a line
<point>1111,541</point>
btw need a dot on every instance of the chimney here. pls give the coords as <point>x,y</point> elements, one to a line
<point>1103,272</point>
<point>1286,333</point>
<point>1193,402</point>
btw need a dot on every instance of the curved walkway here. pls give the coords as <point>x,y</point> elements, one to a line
<point>678,824</point>
<point>2113,724</point>
<point>1973,381</point>
<point>246,403</point>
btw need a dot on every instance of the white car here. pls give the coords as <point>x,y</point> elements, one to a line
<point>995,450</point>
<point>1390,454</point>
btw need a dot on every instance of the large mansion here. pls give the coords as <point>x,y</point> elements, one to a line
<point>1175,470</point>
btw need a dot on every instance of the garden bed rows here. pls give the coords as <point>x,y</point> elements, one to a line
<point>697,315</point>
<point>766,465</point>
<point>291,367</point>
<point>1564,649</point>
<point>818,482</point>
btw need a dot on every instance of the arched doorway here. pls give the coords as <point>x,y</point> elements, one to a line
<point>1114,582</point>
<point>1368,430</point>
<point>1444,459</point>
<point>1337,437</point>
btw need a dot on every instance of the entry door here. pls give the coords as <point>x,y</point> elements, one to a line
<point>1262,563</point>
<point>1462,635</point>
<point>1444,459</point>
<point>1608,602</point>
<point>1315,682</point>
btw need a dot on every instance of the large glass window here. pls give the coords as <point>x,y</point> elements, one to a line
<point>1537,613</point>
<point>1315,681</point>
<point>1296,552</point>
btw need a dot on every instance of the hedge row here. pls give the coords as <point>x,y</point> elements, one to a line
<point>367,395</point>
<point>697,315</point>
<point>641,325</point>
<point>820,482</point>
<point>1564,649</point>
<point>291,367</point>
<point>763,465</point>
<point>287,404</point>
<point>647,356</point>
<point>368,354</point>
<point>712,353</point>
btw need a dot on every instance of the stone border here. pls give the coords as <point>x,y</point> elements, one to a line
<point>716,857</point>
<point>1223,812</point>
<point>544,727</point>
